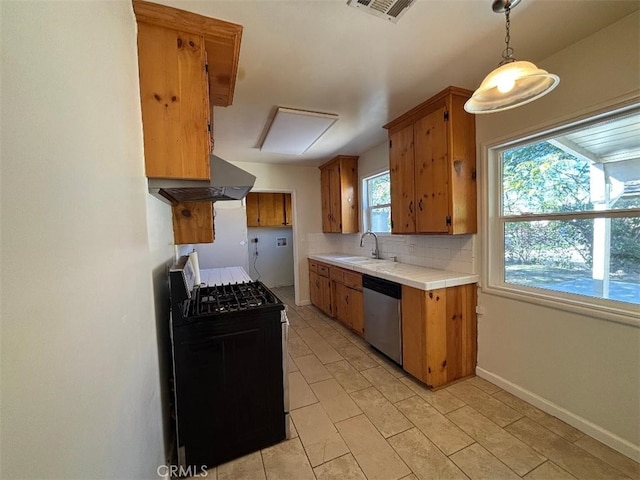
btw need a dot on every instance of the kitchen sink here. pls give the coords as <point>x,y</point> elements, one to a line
<point>356,259</point>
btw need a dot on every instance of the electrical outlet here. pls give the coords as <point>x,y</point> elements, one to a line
<point>412,249</point>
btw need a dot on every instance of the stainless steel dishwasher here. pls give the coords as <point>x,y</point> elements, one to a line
<point>383,316</point>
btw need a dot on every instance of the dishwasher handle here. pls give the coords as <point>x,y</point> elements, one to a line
<point>390,289</point>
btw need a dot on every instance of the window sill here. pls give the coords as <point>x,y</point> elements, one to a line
<point>616,312</point>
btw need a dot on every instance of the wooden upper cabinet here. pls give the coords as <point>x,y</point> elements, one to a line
<point>175,102</point>
<point>432,163</point>
<point>339,190</point>
<point>179,87</point>
<point>269,209</point>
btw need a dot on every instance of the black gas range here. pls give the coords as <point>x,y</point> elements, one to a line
<point>229,346</point>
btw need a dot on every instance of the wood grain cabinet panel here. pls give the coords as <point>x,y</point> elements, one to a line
<point>266,209</point>
<point>339,191</point>
<point>439,333</point>
<point>432,164</point>
<point>193,222</point>
<point>320,287</point>
<point>175,102</point>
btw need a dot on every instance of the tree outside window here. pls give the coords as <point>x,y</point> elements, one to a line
<point>570,212</point>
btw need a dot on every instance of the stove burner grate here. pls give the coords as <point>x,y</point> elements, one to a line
<point>229,298</point>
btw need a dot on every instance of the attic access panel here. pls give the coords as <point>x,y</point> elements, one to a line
<point>390,10</point>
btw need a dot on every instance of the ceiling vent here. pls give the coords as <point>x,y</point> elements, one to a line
<point>390,10</point>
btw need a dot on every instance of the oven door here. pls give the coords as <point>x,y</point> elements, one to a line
<point>229,386</point>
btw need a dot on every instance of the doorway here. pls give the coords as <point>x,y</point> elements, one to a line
<point>270,235</point>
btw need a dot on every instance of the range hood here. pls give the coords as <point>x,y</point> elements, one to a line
<point>228,182</point>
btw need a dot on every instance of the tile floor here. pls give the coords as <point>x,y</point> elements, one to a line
<point>356,415</point>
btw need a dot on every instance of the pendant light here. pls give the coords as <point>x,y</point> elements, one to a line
<point>514,82</point>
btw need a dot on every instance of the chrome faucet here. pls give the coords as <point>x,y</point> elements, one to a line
<point>376,252</point>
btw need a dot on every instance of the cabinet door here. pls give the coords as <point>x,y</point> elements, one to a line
<point>356,310</point>
<point>288,211</point>
<point>325,185</point>
<point>175,103</point>
<point>431,169</point>
<point>348,195</point>
<point>335,198</point>
<point>340,303</point>
<point>314,289</point>
<point>193,222</point>
<point>253,209</point>
<point>401,172</point>
<point>271,210</point>
<point>325,293</point>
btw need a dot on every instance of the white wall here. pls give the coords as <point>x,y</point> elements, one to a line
<point>304,185</point>
<point>80,390</point>
<point>229,248</point>
<point>274,264</point>
<point>585,370</point>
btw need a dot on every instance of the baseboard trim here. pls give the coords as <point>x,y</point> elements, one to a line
<point>608,438</point>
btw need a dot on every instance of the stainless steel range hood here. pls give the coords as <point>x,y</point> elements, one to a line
<point>228,182</point>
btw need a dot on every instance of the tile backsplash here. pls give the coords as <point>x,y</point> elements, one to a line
<point>456,253</point>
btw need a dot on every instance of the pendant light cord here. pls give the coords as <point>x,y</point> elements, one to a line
<point>507,53</point>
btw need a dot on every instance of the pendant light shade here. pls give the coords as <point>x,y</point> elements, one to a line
<point>514,82</point>
<point>510,86</point>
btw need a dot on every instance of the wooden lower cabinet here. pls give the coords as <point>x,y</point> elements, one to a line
<point>439,333</point>
<point>338,293</point>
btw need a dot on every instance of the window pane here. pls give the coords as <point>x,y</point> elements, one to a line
<point>545,178</point>
<point>381,219</point>
<point>379,190</point>
<point>596,257</point>
<point>541,178</point>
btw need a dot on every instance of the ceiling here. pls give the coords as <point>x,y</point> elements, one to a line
<point>324,56</point>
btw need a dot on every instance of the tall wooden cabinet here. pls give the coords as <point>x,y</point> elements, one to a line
<point>269,209</point>
<point>339,190</point>
<point>432,163</point>
<point>439,333</point>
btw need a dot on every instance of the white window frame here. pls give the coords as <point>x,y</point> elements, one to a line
<point>366,208</point>
<point>492,278</point>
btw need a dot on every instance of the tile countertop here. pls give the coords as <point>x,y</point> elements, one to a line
<point>411,275</point>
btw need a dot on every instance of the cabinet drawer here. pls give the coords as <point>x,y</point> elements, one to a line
<point>353,280</point>
<point>337,275</point>
<point>313,266</point>
<point>323,270</point>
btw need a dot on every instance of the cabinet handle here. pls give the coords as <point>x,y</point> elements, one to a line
<point>346,299</point>
<point>411,206</point>
<point>420,204</point>
<point>317,284</point>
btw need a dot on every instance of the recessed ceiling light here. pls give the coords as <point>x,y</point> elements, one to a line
<point>293,132</point>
